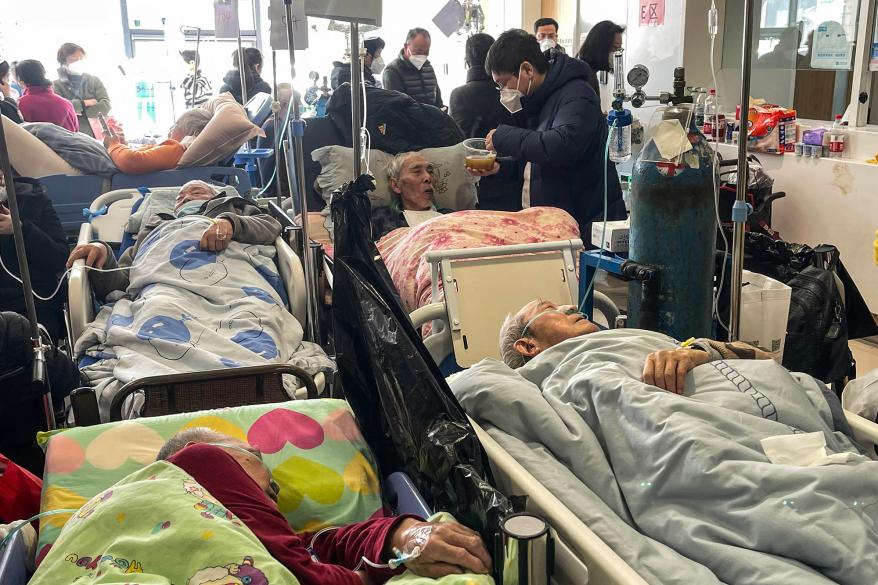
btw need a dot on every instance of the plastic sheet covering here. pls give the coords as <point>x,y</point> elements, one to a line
<point>404,407</point>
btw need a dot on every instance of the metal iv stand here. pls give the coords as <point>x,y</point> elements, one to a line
<point>296,178</point>
<point>740,210</point>
<point>39,378</point>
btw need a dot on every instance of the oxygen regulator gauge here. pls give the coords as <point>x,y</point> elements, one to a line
<point>638,76</point>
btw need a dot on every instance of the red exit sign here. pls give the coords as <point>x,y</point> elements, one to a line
<point>652,12</point>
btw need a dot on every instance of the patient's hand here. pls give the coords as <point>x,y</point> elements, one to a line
<point>216,238</point>
<point>667,369</point>
<point>95,255</point>
<point>446,548</point>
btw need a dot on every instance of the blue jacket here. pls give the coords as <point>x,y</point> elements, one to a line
<point>563,133</point>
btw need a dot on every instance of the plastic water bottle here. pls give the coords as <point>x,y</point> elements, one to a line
<point>837,138</point>
<point>700,97</point>
<point>711,110</point>
<point>620,135</point>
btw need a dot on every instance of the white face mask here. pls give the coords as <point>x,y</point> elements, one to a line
<point>511,98</point>
<point>547,44</point>
<point>76,68</point>
<point>418,61</point>
<point>377,65</point>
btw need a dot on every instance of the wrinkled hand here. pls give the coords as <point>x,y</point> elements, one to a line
<point>484,173</point>
<point>90,102</point>
<point>667,369</point>
<point>95,255</point>
<point>5,221</point>
<point>446,548</point>
<point>110,140</point>
<point>216,238</point>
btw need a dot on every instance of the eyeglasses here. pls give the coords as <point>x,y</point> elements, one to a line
<point>567,311</point>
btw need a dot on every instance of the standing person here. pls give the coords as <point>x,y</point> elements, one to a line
<point>85,91</point>
<point>559,135</point>
<point>476,106</point>
<point>196,87</point>
<point>603,41</point>
<point>8,103</point>
<point>252,75</point>
<point>373,64</point>
<point>412,73</point>
<point>477,110</point>
<point>546,31</point>
<point>39,102</point>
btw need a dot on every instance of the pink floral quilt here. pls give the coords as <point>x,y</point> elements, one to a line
<point>403,249</point>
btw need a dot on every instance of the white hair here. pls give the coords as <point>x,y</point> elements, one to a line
<point>193,435</point>
<point>200,183</point>
<point>511,331</point>
<point>192,122</point>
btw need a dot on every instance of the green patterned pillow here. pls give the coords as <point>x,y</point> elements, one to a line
<point>313,447</point>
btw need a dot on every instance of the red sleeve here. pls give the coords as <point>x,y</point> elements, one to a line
<point>19,492</point>
<point>226,480</point>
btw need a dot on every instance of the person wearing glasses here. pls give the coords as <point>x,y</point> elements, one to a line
<point>557,143</point>
<point>234,473</point>
<point>541,324</point>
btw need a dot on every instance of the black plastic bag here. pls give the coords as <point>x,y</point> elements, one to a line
<point>404,408</point>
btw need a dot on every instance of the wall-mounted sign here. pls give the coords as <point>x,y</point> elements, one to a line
<point>225,15</point>
<point>652,12</point>
<point>832,49</point>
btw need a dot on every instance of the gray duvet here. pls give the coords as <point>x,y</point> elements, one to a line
<point>679,486</point>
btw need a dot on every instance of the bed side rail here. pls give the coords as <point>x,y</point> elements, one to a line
<point>865,432</point>
<point>192,391</point>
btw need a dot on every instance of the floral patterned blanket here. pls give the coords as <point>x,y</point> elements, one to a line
<point>403,249</point>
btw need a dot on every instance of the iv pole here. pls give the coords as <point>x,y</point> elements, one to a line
<point>740,209</point>
<point>296,131</point>
<point>39,378</point>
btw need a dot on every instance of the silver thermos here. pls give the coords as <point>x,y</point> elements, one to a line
<point>524,551</point>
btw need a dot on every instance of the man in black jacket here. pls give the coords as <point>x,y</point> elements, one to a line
<point>373,65</point>
<point>411,73</point>
<point>559,138</point>
<point>47,250</point>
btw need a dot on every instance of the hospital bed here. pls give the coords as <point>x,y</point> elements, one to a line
<point>466,330</point>
<point>180,392</point>
<point>134,445</point>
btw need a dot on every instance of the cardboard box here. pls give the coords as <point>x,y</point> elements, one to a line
<point>615,238</point>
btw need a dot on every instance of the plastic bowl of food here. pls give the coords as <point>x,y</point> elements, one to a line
<point>477,155</point>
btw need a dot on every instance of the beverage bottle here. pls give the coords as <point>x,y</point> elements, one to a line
<point>837,138</point>
<point>700,96</point>
<point>711,110</point>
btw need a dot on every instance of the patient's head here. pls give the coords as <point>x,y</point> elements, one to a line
<point>538,326</point>
<point>190,123</point>
<point>410,177</point>
<point>194,191</point>
<point>247,456</point>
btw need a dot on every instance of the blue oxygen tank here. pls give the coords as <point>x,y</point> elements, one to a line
<point>673,229</point>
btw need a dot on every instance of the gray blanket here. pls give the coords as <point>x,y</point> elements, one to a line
<point>687,471</point>
<point>79,150</point>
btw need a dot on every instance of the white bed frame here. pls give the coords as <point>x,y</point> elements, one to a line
<point>582,557</point>
<point>110,228</point>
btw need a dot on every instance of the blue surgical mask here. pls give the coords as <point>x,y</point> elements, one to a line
<point>189,208</point>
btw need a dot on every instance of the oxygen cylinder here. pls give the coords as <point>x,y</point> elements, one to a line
<point>673,229</point>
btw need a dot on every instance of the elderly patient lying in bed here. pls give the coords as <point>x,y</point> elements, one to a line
<point>541,324</point>
<point>743,472</point>
<point>198,291</point>
<point>235,499</point>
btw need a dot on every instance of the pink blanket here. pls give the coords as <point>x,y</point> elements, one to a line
<point>402,249</point>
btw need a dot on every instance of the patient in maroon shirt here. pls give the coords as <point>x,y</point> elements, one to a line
<point>233,472</point>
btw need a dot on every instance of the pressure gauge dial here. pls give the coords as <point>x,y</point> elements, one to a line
<point>638,76</point>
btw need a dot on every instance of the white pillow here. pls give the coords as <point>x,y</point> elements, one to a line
<point>228,129</point>
<point>30,156</point>
<point>455,188</point>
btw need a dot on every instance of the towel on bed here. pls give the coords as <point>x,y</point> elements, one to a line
<point>688,471</point>
<point>188,310</point>
<point>403,249</point>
